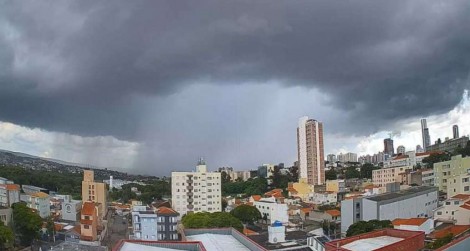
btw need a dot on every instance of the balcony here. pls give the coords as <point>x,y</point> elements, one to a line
<point>189,193</point>
<point>190,200</point>
<point>190,207</point>
<point>189,187</point>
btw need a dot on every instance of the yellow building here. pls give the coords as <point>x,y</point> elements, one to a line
<point>89,221</point>
<point>453,176</point>
<point>335,186</point>
<point>300,189</point>
<point>94,191</point>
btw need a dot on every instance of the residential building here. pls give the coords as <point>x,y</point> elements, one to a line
<point>329,215</point>
<point>383,240</point>
<point>70,209</point>
<point>94,191</point>
<point>400,150</point>
<point>6,215</point>
<point>411,178</point>
<point>144,223</point>
<point>414,224</point>
<point>29,189</point>
<point>323,198</point>
<point>455,132</point>
<point>9,194</point>
<point>427,177</point>
<point>274,211</point>
<point>456,209</point>
<point>383,176</point>
<point>453,176</point>
<point>419,149</point>
<point>198,191</point>
<point>310,151</point>
<point>167,224</point>
<point>388,147</point>
<point>243,175</point>
<point>5,181</point>
<point>347,157</point>
<point>410,158</point>
<point>410,203</point>
<point>300,190</point>
<point>90,221</point>
<point>331,158</point>
<point>335,186</point>
<point>449,145</point>
<point>39,202</point>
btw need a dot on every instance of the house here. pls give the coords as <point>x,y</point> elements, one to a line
<point>144,223</point>
<point>336,186</point>
<point>323,198</point>
<point>329,215</point>
<point>273,210</point>
<point>9,194</point>
<point>70,209</point>
<point>90,221</point>
<point>414,224</point>
<point>456,209</point>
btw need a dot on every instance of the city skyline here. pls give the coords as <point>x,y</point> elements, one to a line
<point>80,83</point>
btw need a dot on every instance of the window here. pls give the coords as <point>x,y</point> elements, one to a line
<point>466,188</point>
<point>456,202</point>
<point>87,217</point>
<point>86,226</point>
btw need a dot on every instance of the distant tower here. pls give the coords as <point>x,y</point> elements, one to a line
<point>310,151</point>
<point>110,182</point>
<point>419,149</point>
<point>400,150</point>
<point>388,147</point>
<point>455,130</point>
<point>425,134</point>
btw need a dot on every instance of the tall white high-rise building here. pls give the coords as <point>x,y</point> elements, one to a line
<point>310,151</point>
<point>198,191</point>
<point>455,131</point>
<point>401,149</point>
<point>425,134</point>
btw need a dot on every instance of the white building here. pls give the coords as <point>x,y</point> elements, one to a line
<point>9,194</point>
<point>410,158</point>
<point>455,209</point>
<point>323,198</point>
<point>401,150</point>
<point>414,224</point>
<point>198,191</point>
<point>415,202</point>
<point>144,223</point>
<point>427,177</point>
<point>70,209</point>
<point>347,157</point>
<point>273,211</point>
<point>38,201</point>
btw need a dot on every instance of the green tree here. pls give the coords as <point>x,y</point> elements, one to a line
<point>440,242</point>
<point>225,177</point>
<point>294,172</point>
<point>7,237</point>
<point>246,213</point>
<point>435,158</point>
<point>27,223</point>
<point>361,227</point>
<point>331,174</point>
<point>211,220</point>
<point>352,172</point>
<point>465,151</point>
<point>50,229</point>
<point>366,170</point>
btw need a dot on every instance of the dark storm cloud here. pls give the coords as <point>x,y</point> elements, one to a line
<point>79,66</point>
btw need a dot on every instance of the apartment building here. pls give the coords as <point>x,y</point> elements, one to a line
<point>94,191</point>
<point>90,221</point>
<point>6,215</point>
<point>9,194</point>
<point>453,176</point>
<point>274,211</point>
<point>323,198</point>
<point>427,177</point>
<point>144,223</point>
<point>310,151</point>
<point>415,202</point>
<point>70,209</point>
<point>382,177</point>
<point>410,158</point>
<point>167,224</point>
<point>456,209</point>
<point>449,145</point>
<point>198,191</point>
<point>39,202</point>
<point>29,189</point>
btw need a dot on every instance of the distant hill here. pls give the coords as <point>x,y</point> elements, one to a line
<point>48,164</point>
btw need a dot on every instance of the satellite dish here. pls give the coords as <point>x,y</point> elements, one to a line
<point>275,240</point>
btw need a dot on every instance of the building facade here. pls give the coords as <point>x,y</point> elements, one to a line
<point>94,191</point>
<point>167,224</point>
<point>274,211</point>
<point>70,209</point>
<point>453,176</point>
<point>456,209</point>
<point>425,135</point>
<point>38,201</point>
<point>310,151</point>
<point>449,145</point>
<point>335,186</point>
<point>382,177</point>
<point>90,221</point>
<point>388,147</point>
<point>410,203</point>
<point>401,150</point>
<point>455,132</point>
<point>144,223</point>
<point>198,191</point>
<point>9,194</point>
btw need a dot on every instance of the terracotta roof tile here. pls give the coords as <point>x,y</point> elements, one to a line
<point>306,210</point>
<point>40,195</point>
<point>410,221</point>
<point>461,196</point>
<point>88,208</point>
<point>333,212</point>
<point>249,232</point>
<point>454,230</point>
<point>166,211</point>
<point>256,197</point>
<point>465,206</point>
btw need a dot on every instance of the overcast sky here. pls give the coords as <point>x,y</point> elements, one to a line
<point>152,85</point>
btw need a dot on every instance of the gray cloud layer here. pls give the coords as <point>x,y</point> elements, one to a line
<point>83,66</point>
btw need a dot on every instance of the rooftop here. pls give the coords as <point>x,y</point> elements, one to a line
<point>402,193</point>
<point>461,196</point>
<point>40,195</point>
<point>409,222</point>
<point>88,208</point>
<point>333,212</point>
<point>218,242</point>
<point>166,211</point>
<point>454,230</point>
<point>133,245</point>
<point>371,243</point>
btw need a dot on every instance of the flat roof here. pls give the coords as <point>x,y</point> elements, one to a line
<point>218,242</point>
<point>129,246</point>
<point>371,243</point>
<point>402,193</point>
